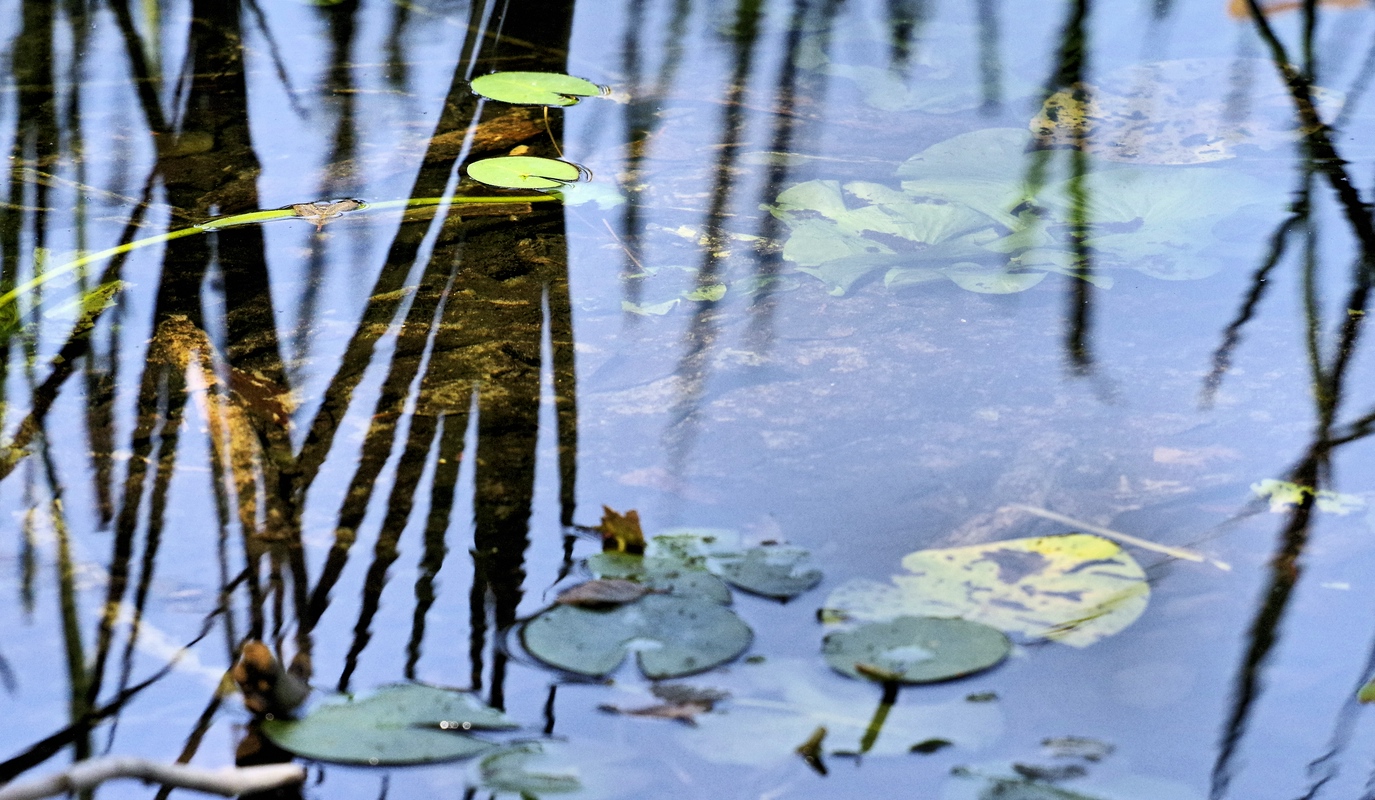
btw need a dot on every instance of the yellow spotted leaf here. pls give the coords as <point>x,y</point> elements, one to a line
<point>1075,588</point>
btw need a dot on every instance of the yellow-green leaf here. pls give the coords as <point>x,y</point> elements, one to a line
<point>1076,588</point>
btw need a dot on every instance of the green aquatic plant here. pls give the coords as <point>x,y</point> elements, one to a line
<point>965,213</point>
<point>671,636</point>
<point>319,213</point>
<point>915,650</point>
<point>524,172</point>
<point>534,88</point>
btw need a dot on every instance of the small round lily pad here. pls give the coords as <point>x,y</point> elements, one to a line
<point>916,649</point>
<point>401,724</point>
<point>672,636</point>
<point>534,88</point>
<point>775,571</point>
<point>523,172</point>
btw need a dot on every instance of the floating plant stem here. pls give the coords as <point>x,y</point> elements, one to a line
<point>252,218</point>
<point>1124,538</point>
<point>890,697</point>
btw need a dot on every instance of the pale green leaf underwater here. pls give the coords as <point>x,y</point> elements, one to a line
<point>971,216</point>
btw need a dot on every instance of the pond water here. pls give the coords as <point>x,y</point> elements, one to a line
<point>863,278</point>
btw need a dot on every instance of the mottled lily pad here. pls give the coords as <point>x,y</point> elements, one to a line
<point>402,724</point>
<point>1076,588</point>
<point>517,769</point>
<point>523,172</point>
<point>534,88</point>
<point>701,562</point>
<point>671,636</point>
<point>1185,111</point>
<point>915,649</point>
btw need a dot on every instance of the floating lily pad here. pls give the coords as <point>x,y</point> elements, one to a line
<point>402,724</point>
<point>1075,588</point>
<point>775,571</point>
<point>661,574</point>
<point>523,172</point>
<point>671,636</point>
<point>915,649</point>
<point>534,88</point>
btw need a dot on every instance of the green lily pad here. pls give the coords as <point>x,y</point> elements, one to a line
<point>1075,588</point>
<point>523,172</point>
<point>916,649</point>
<point>775,571</point>
<point>672,636</point>
<point>661,574</point>
<point>401,724</point>
<point>534,88</point>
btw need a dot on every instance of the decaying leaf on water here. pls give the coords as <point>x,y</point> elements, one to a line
<point>680,702</point>
<point>603,593</point>
<point>1074,588</point>
<point>1284,496</point>
<point>322,211</point>
<point>267,686</point>
<point>621,533</point>
<point>1185,111</point>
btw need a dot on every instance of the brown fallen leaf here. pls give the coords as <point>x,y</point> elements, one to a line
<point>603,592</point>
<point>621,533</point>
<point>267,686</point>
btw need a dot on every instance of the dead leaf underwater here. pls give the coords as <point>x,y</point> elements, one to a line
<point>1075,588</point>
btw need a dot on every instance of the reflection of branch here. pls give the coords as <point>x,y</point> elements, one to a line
<point>87,775</point>
<point>1231,337</point>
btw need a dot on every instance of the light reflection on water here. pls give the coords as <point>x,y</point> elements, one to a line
<point>473,356</point>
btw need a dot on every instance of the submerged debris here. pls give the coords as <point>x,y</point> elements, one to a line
<point>681,702</point>
<point>603,593</point>
<point>1077,747</point>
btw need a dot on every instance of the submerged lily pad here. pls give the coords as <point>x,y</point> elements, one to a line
<point>671,636</point>
<point>534,88</point>
<point>1284,495</point>
<point>537,769</point>
<point>775,706</point>
<point>402,724</point>
<point>916,649</point>
<point>1019,781</point>
<point>523,172</point>
<point>1075,588</point>
<point>1185,111</point>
